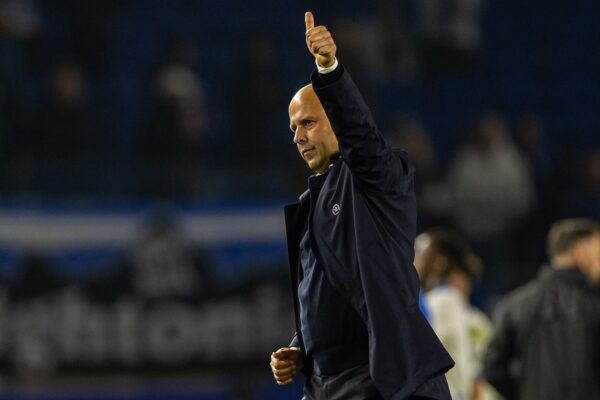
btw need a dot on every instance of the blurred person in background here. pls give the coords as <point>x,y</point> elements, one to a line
<point>451,37</point>
<point>20,26</point>
<point>65,138</point>
<point>546,341</point>
<point>447,268</point>
<point>66,125</point>
<point>163,264</point>
<point>175,128</point>
<point>487,190</point>
<point>359,333</point>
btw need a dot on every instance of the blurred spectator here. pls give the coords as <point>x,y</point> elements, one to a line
<point>175,126</point>
<point>451,37</point>
<point>447,268</point>
<point>20,23</point>
<point>57,140</point>
<point>163,264</point>
<point>546,343</point>
<point>19,19</point>
<point>66,125</point>
<point>19,26</point>
<point>487,190</point>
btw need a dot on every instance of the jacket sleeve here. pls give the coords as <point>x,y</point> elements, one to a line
<point>500,353</point>
<point>307,362</point>
<point>362,146</point>
<point>295,342</point>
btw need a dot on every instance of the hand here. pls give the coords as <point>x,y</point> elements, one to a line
<point>285,364</point>
<point>319,41</point>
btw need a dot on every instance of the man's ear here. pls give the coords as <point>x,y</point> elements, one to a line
<point>578,254</point>
<point>581,259</point>
<point>440,264</point>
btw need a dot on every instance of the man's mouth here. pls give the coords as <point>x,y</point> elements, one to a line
<point>305,151</point>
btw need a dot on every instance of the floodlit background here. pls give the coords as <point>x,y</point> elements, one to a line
<point>145,156</point>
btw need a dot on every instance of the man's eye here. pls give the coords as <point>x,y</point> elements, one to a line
<point>309,123</point>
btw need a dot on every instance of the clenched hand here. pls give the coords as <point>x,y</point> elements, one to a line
<point>285,364</point>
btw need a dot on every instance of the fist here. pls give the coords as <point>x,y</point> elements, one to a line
<point>319,41</point>
<point>285,364</point>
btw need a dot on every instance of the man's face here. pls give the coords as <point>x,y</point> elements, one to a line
<point>587,253</point>
<point>313,135</point>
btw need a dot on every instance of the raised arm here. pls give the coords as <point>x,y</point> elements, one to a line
<point>361,143</point>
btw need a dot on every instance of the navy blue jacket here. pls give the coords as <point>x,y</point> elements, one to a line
<point>363,230</point>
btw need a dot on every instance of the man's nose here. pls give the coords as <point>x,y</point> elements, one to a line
<point>300,135</point>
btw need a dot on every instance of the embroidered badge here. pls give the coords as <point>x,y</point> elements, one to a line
<point>336,209</point>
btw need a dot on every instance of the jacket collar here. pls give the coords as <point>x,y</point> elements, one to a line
<point>305,196</point>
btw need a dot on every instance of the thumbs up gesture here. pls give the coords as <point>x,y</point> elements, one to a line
<point>319,41</point>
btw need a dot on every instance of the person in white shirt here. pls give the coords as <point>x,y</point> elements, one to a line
<point>447,268</point>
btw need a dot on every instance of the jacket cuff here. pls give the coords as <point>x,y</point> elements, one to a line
<point>321,80</point>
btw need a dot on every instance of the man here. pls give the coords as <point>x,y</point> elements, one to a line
<point>447,268</point>
<point>547,334</point>
<point>359,331</point>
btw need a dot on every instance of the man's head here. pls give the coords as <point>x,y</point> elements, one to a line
<point>576,243</point>
<point>313,134</point>
<point>441,256</point>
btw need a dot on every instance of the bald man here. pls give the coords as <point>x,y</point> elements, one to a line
<point>359,332</point>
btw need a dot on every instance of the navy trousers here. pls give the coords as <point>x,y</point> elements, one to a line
<point>356,384</point>
<point>351,384</point>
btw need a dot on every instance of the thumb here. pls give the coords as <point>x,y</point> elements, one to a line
<point>309,20</point>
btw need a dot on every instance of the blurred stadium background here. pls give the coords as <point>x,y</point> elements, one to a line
<point>145,157</point>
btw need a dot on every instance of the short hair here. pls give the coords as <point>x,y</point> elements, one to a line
<point>565,233</point>
<point>457,251</point>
